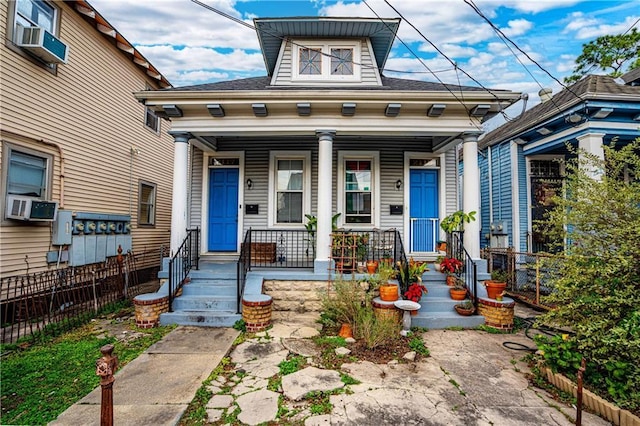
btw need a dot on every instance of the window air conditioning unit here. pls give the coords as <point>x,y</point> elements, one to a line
<point>42,44</point>
<point>29,209</point>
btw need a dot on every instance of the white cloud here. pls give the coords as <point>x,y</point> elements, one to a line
<point>566,64</point>
<point>517,27</point>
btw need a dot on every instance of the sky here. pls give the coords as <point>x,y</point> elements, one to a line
<point>190,44</point>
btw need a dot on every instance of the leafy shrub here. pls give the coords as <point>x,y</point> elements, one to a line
<point>596,281</point>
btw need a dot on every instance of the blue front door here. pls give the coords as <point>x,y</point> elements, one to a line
<point>223,209</point>
<point>423,210</point>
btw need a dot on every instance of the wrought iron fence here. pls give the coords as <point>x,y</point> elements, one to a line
<point>279,248</point>
<point>529,275</point>
<point>243,267</point>
<point>186,257</point>
<point>50,302</point>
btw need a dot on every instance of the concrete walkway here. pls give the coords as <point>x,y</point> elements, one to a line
<point>469,379</point>
<point>157,387</point>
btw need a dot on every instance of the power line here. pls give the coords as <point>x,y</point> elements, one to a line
<point>423,64</point>
<point>633,25</point>
<point>482,15</point>
<point>440,51</point>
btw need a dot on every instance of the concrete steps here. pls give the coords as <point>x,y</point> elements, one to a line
<point>437,308</point>
<point>209,299</point>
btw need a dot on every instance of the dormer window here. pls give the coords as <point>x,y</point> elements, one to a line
<point>326,61</point>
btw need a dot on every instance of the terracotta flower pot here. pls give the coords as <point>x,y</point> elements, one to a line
<point>462,311</point>
<point>389,292</point>
<point>345,331</point>
<point>494,288</point>
<point>458,294</point>
<point>372,266</point>
<point>451,280</point>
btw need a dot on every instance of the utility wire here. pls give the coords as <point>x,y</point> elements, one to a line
<point>633,25</point>
<point>483,16</point>
<point>425,65</point>
<point>252,27</point>
<point>441,52</point>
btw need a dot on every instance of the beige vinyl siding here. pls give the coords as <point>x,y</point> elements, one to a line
<point>88,110</point>
<point>369,70</point>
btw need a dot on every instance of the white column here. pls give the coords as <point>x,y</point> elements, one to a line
<point>180,179</point>
<point>325,181</point>
<point>471,192</point>
<point>591,143</point>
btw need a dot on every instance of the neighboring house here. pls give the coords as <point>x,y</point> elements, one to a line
<point>85,167</point>
<point>519,168</point>
<point>323,133</point>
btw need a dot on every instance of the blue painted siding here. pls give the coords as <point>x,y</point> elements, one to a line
<point>483,165</point>
<point>502,187</point>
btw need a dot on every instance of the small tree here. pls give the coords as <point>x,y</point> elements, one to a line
<point>609,53</point>
<point>597,281</point>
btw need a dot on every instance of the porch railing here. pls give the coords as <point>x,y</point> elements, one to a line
<point>469,272</point>
<point>185,258</point>
<point>401,255</point>
<point>244,265</point>
<point>278,248</point>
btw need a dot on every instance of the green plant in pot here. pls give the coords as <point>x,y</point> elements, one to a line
<point>497,284</point>
<point>459,290</point>
<point>465,308</point>
<point>455,221</point>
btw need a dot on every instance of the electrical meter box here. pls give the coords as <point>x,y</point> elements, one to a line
<point>62,228</point>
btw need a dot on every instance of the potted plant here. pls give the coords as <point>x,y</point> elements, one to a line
<point>415,292</point>
<point>455,221</point>
<point>362,250</point>
<point>386,257</point>
<point>412,272</point>
<point>465,308</point>
<point>496,285</point>
<point>450,266</point>
<point>438,263</point>
<point>388,291</point>
<point>459,290</point>
<point>441,245</point>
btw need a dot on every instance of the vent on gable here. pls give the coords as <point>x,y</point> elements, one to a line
<point>42,44</point>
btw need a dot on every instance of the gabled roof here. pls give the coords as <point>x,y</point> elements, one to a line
<point>388,83</point>
<point>271,32</point>
<point>108,31</point>
<point>591,87</point>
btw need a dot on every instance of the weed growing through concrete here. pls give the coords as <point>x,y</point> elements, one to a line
<point>319,403</point>
<point>348,380</point>
<point>417,345</point>
<point>292,365</point>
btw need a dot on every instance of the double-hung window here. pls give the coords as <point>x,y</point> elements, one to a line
<point>147,204</point>
<point>27,173</point>
<point>39,13</point>
<point>290,195</point>
<point>358,193</point>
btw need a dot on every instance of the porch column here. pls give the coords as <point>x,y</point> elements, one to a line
<point>179,200</point>
<point>471,192</point>
<point>325,180</point>
<point>592,143</point>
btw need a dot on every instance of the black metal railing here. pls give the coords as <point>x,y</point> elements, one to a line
<point>184,259</point>
<point>244,265</point>
<point>401,256</point>
<point>469,270</point>
<point>50,302</point>
<point>279,248</point>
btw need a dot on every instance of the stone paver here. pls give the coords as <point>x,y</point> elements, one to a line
<point>310,379</point>
<point>220,401</point>
<point>258,407</point>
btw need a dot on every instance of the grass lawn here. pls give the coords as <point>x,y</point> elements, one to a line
<point>41,381</point>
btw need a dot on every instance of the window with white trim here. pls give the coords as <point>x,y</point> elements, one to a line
<point>31,13</point>
<point>358,193</point>
<point>147,203</point>
<point>27,173</point>
<point>290,188</point>
<point>329,61</point>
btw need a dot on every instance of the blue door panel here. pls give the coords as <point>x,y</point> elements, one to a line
<point>423,209</point>
<point>223,209</point>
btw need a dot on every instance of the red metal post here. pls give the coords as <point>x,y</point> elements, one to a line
<point>105,368</point>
